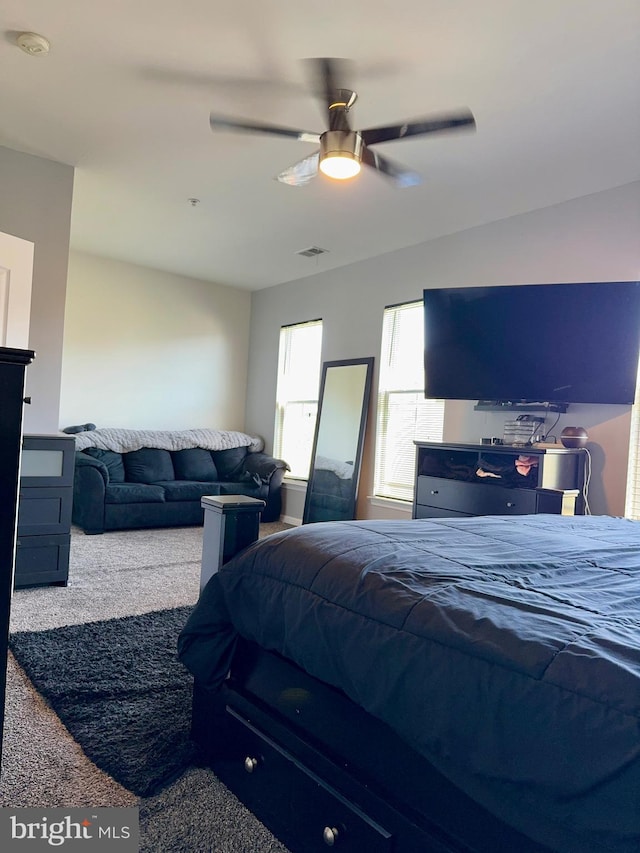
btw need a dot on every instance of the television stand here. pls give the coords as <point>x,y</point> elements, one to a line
<point>457,480</point>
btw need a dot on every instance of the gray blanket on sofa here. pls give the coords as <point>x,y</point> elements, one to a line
<point>126,440</point>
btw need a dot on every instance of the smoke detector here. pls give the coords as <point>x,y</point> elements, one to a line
<point>33,44</point>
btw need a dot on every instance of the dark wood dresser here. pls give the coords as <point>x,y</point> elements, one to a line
<point>471,479</point>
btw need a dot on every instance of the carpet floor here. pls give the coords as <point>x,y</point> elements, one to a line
<point>115,576</point>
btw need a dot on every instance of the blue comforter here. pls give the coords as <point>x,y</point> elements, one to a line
<point>506,650</point>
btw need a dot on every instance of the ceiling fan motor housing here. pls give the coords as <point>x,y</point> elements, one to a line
<point>341,143</point>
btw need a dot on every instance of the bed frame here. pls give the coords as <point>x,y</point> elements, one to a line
<point>319,771</point>
<point>312,765</point>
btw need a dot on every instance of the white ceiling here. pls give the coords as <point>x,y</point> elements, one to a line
<point>125,93</point>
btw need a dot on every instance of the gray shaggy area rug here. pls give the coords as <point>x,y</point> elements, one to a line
<point>120,690</point>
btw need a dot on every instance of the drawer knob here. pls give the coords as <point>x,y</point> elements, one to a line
<point>434,491</point>
<point>330,835</point>
<point>250,764</point>
<point>510,503</point>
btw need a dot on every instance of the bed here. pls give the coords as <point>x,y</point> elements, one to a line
<point>468,684</point>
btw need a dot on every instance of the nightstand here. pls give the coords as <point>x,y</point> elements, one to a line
<point>44,510</point>
<point>231,523</point>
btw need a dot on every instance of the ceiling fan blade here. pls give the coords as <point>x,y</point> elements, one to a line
<point>401,176</point>
<point>435,124</point>
<point>328,85</point>
<point>219,122</point>
<point>270,86</point>
<point>302,172</point>
<point>331,74</point>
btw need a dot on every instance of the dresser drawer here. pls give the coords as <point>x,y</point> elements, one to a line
<point>498,500</point>
<point>270,781</point>
<point>424,511</point>
<point>41,560</point>
<point>463,498</point>
<point>440,493</point>
<point>44,511</point>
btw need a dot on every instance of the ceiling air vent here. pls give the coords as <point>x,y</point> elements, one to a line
<point>311,252</point>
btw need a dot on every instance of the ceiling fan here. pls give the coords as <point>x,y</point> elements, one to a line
<point>342,149</point>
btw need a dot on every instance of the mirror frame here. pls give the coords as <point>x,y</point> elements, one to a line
<point>357,459</point>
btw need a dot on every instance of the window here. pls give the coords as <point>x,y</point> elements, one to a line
<point>632,508</point>
<point>403,412</point>
<point>297,394</point>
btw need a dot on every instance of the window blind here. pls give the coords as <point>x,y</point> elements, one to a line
<point>297,391</point>
<point>404,414</point>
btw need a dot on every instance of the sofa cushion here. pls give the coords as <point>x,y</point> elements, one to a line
<point>230,463</point>
<point>111,460</point>
<point>133,493</point>
<point>188,490</point>
<point>194,463</point>
<point>148,465</point>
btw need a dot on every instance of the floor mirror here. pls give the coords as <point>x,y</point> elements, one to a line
<point>332,491</point>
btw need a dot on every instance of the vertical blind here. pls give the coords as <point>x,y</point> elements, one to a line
<point>404,414</point>
<point>297,394</point>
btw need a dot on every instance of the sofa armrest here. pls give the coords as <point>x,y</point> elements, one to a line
<point>270,472</point>
<point>85,461</point>
<point>90,481</point>
<point>264,466</point>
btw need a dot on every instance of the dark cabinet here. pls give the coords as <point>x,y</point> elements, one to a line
<point>468,480</point>
<point>13,364</point>
<point>44,511</point>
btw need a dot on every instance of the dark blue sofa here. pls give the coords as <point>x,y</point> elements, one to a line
<point>152,487</point>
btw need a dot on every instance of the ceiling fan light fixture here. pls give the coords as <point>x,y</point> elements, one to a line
<point>339,166</point>
<point>340,154</point>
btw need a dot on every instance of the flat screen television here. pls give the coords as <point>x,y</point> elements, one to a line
<point>533,343</point>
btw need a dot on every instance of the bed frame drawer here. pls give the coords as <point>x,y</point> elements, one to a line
<point>322,759</point>
<point>271,782</point>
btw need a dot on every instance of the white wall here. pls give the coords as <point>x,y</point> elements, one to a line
<point>147,349</point>
<point>35,204</point>
<point>593,238</point>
